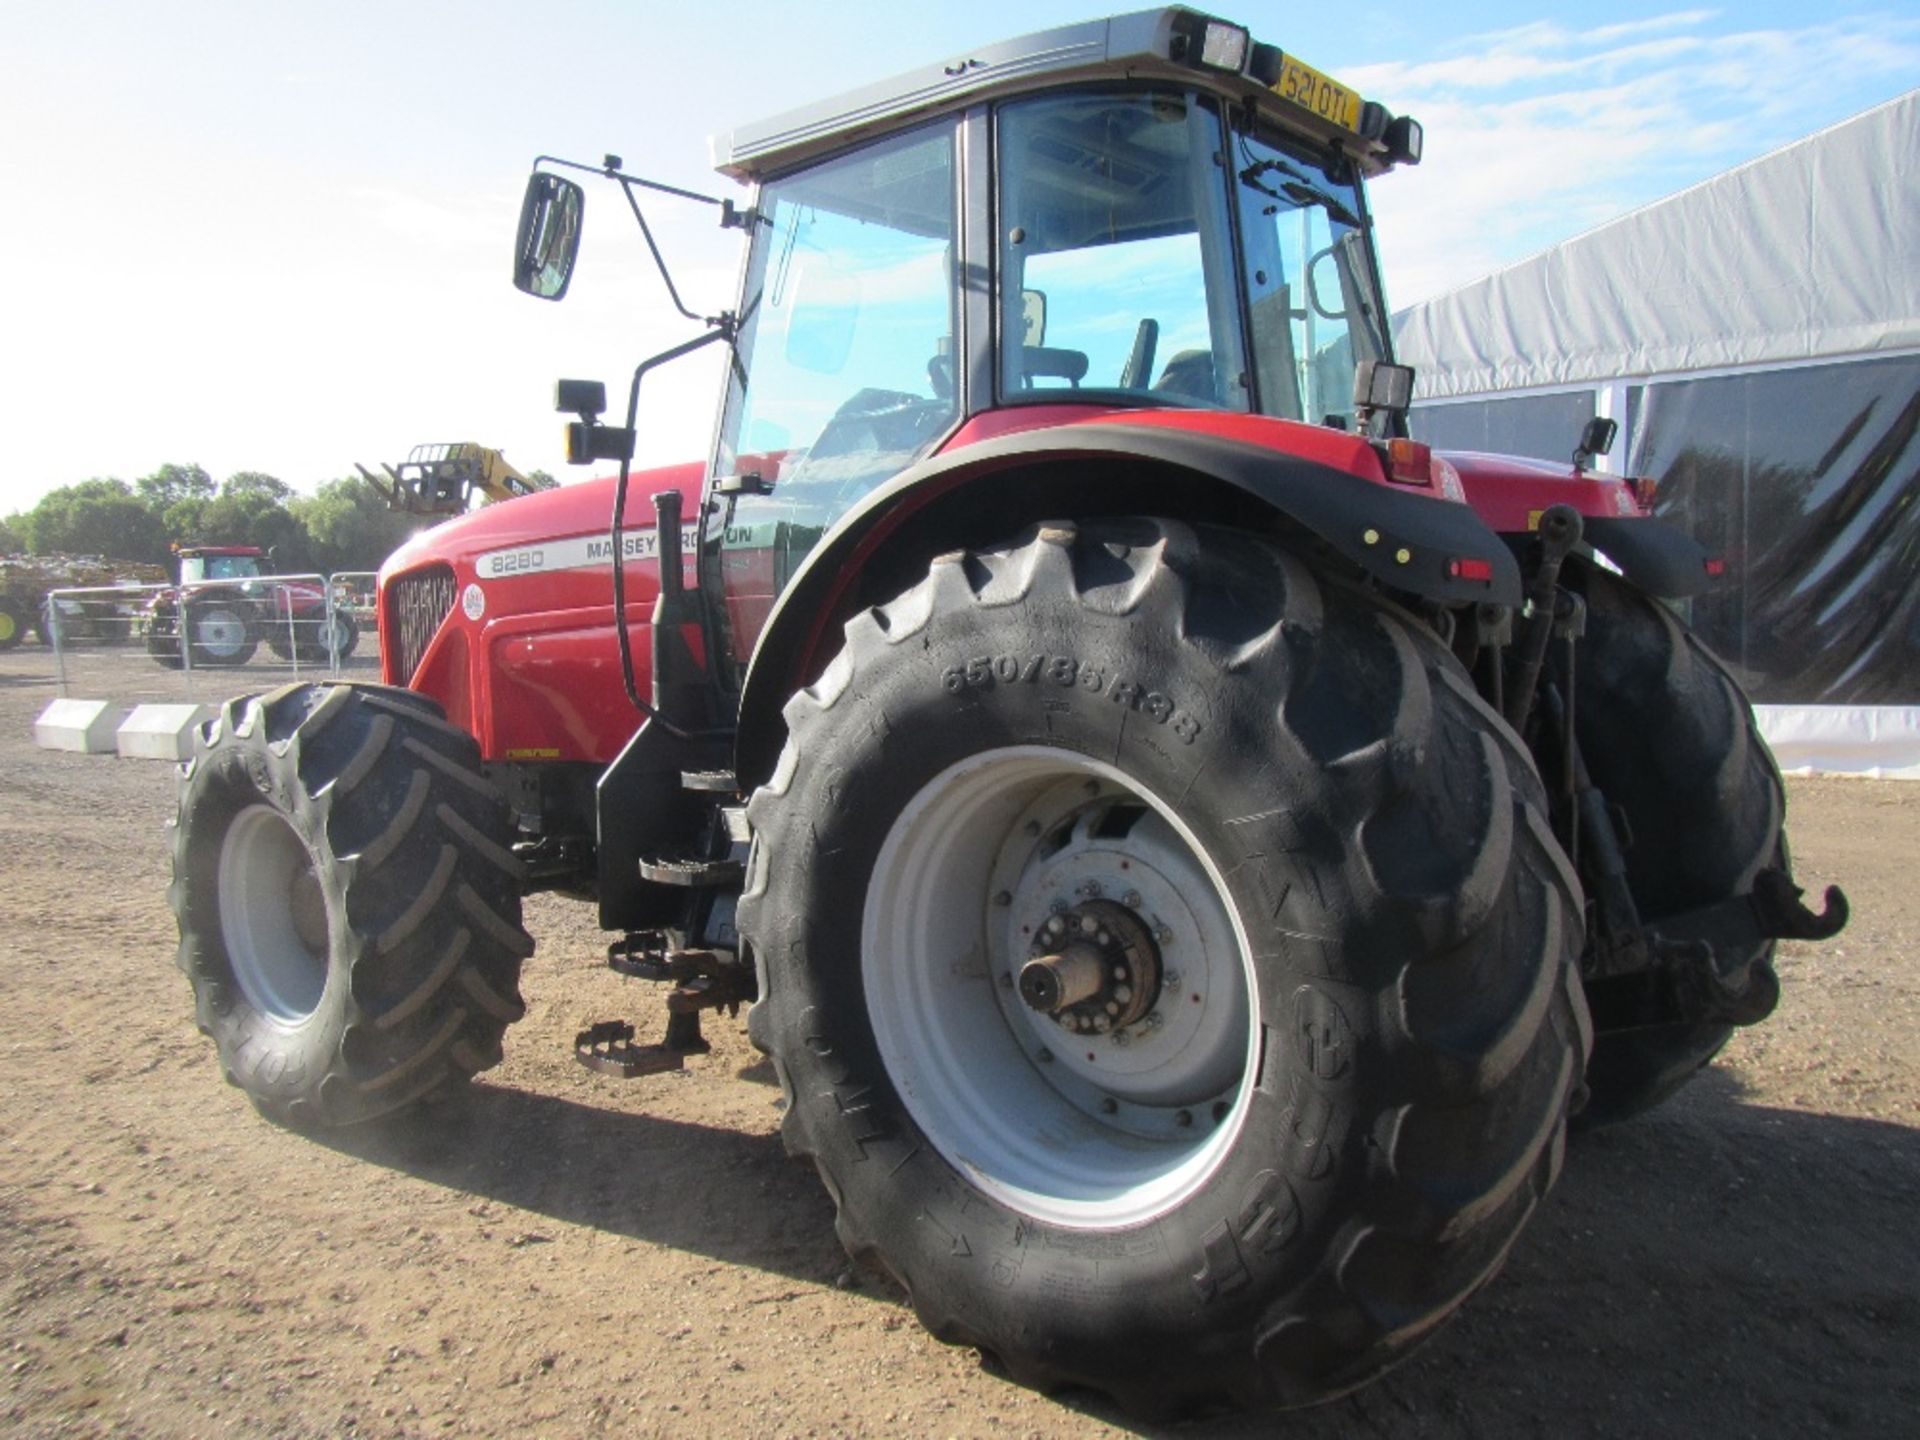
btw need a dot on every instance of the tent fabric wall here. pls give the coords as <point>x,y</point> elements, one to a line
<point>1811,251</point>
<point>1758,338</point>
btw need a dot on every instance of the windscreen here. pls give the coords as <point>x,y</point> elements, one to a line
<point>846,341</point>
<point>1115,252</point>
<point>1313,293</point>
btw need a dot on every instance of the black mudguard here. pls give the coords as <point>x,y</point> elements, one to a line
<point>978,495</point>
<point>1652,554</point>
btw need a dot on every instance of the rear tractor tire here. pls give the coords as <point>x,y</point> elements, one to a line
<point>221,632</point>
<point>1167,965</point>
<point>13,624</point>
<point>1670,740</point>
<point>348,903</point>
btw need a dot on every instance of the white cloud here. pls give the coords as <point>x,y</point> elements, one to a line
<point>1539,132</point>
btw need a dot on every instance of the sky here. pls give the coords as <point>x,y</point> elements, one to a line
<point>277,237</point>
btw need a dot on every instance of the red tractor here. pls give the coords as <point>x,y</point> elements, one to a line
<point>1188,848</point>
<point>233,604</point>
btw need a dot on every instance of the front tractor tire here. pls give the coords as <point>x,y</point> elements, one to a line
<point>1167,965</point>
<point>348,903</point>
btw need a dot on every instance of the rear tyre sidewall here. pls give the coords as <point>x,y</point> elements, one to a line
<point>1670,739</point>
<point>1230,1290</point>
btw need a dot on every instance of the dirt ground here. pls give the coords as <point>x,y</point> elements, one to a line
<point>560,1254</point>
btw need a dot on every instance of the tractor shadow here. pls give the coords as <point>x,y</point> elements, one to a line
<point>703,1189</point>
<point>1714,1268</point>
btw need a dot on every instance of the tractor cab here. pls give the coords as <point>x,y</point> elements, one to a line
<point>1148,213</point>
<point>201,563</point>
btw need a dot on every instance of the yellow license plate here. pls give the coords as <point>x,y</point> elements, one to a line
<point>1307,87</point>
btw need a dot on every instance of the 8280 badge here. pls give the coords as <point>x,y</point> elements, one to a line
<point>1066,672</point>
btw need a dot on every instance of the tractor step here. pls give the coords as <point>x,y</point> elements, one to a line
<point>712,782</point>
<point>608,1048</point>
<point>691,870</point>
<point>676,966</point>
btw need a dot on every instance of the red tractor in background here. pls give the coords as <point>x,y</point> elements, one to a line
<point>1189,849</point>
<point>233,603</point>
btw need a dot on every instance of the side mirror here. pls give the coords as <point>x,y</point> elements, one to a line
<point>1596,439</point>
<point>549,238</point>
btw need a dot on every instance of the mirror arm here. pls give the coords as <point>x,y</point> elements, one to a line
<point>660,263</point>
<point>610,167</point>
<point>726,328</point>
<point>732,217</point>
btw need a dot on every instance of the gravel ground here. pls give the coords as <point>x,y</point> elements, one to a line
<point>556,1253</point>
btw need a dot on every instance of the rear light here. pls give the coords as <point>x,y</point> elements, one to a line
<point>1471,570</point>
<point>1409,462</point>
<point>1645,487</point>
<point>1716,567</point>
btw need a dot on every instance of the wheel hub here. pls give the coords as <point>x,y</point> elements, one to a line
<point>1058,985</point>
<point>1094,969</point>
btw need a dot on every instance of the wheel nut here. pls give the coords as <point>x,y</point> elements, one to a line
<point>1123,993</point>
<point>1131,899</point>
<point>1163,935</point>
<point>1183,1119</point>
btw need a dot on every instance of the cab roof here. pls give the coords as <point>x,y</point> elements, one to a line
<point>1165,44</point>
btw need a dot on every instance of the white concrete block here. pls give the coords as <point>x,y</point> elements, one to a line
<point>160,732</point>
<point>85,726</point>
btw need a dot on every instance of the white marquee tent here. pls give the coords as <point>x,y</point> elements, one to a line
<point>1758,339</point>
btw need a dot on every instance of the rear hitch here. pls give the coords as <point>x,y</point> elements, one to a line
<point>1772,910</point>
<point>1686,981</point>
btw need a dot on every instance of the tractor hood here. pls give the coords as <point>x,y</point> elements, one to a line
<point>567,511</point>
<point>1510,491</point>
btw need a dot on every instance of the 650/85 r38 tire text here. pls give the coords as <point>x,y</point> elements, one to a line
<point>1319,1075</point>
<point>349,908</point>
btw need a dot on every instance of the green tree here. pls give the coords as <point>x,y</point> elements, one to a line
<point>255,483</point>
<point>350,527</point>
<point>12,540</point>
<point>171,484</point>
<point>256,519</point>
<point>96,517</point>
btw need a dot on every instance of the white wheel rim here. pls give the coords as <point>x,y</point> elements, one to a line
<point>220,631</point>
<point>273,916</point>
<point>1083,1132</point>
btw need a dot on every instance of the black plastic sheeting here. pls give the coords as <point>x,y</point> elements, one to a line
<point>1807,481</point>
<point>1540,427</point>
